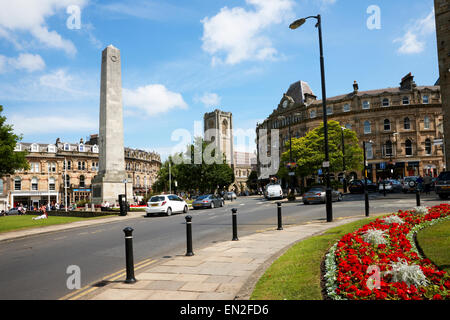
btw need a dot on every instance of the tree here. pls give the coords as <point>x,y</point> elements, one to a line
<point>192,176</point>
<point>252,180</point>
<point>10,160</point>
<point>308,151</point>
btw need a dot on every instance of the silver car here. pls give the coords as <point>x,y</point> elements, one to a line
<point>318,195</point>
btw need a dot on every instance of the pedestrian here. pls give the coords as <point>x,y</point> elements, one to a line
<point>419,182</point>
<point>427,181</point>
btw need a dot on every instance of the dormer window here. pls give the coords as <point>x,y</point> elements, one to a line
<point>95,148</point>
<point>81,147</point>
<point>51,148</point>
<point>312,114</point>
<point>346,107</point>
<point>34,148</point>
<point>18,147</point>
<point>66,147</point>
<point>425,99</point>
<point>385,102</point>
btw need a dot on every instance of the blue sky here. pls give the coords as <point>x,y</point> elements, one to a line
<point>181,59</point>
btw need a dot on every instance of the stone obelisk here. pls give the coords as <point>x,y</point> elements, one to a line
<point>110,180</point>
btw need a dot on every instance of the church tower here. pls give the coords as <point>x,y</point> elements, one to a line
<point>218,128</point>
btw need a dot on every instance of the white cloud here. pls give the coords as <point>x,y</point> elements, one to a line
<point>25,61</point>
<point>28,62</point>
<point>410,44</point>
<point>209,99</point>
<point>30,16</point>
<point>57,85</point>
<point>58,79</point>
<point>153,99</point>
<point>23,124</point>
<point>414,40</point>
<point>238,34</point>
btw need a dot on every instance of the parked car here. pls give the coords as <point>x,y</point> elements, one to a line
<point>357,186</point>
<point>390,185</point>
<point>14,211</point>
<point>442,185</point>
<point>207,201</point>
<point>318,194</point>
<point>229,195</point>
<point>273,191</point>
<point>410,184</point>
<point>167,204</point>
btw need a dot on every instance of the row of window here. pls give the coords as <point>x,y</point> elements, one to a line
<point>51,148</point>
<point>66,180</point>
<point>366,105</point>
<point>387,125</point>
<point>388,149</point>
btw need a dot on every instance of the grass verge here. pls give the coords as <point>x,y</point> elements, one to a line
<point>434,242</point>
<point>14,223</point>
<point>296,274</point>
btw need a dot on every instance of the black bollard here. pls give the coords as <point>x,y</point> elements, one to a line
<point>189,251</point>
<point>235,237</point>
<point>418,197</point>
<point>280,227</point>
<point>129,254</point>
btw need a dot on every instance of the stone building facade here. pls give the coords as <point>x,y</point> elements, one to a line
<point>403,124</point>
<point>68,168</point>
<point>442,15</point>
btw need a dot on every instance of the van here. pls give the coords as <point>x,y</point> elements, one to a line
<point>273,191</point>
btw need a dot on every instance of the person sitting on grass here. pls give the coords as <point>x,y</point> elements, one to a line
<point>43,216</point>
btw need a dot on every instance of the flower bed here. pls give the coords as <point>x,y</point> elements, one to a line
<point>380,260</point>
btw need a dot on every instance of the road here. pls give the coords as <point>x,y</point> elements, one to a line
<point>35,267</point>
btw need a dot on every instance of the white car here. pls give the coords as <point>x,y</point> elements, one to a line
<point>274,191</point>
<point>166,204</point>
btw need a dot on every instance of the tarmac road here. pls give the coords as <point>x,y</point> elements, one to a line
<point>35,267</point>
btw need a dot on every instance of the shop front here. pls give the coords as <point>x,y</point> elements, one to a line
<point>33,199</point>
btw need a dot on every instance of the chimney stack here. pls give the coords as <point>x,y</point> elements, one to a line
<point>355,87</point>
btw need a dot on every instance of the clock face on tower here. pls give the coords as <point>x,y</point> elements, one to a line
<point>285,104</point>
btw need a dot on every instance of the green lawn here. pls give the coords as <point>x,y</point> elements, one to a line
<point>435,243</point>
<point>13,223</point>
<point>296,274</point>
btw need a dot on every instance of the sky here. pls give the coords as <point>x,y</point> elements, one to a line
<point>181,59</point>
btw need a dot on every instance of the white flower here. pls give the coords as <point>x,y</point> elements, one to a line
<point>410,274</point>
<point>374,236</point>
<point>393,219</point>
<point>419,210</point>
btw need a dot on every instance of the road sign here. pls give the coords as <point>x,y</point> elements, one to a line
<point>383,165</point>
<point>438,142</point>
<point>319,171</point>
<point>326,164</point>
<point>292,173</point>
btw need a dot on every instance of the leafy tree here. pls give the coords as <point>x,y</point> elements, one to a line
<point>252,180</point>
<point>191,176</point>
<point>10,160</point>
<point>308,151</point>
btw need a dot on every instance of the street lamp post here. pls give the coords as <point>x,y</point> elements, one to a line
<point>344,182</point>
<point>295,25</point>
<point>366,194</point>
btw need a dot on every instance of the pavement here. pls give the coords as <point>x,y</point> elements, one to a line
<point>227,270</point>
<point>66,226</point>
